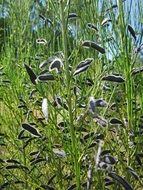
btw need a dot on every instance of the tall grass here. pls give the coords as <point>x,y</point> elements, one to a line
<point>91,135</point>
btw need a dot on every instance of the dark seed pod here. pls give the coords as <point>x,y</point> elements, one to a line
<point>80,70</point>
<point>86,62</point>
<point>72,16</point>
<point>16,167</point>
<point>49,21</point>
<point>38,160</point>
<point>31,74</point>
<point>65,106</point>
<point>89,135</point>
<point>101,121</point>
<point>105,152</point>
<point>11,167</point>
<point>90,44</point>
<point>46,62</point>
<point>58,101</point>
<point>34,153</point>
<point>21,100</point>
<point>12,161</point>
<point>22,106</point>
<point>99,136</point>
<point>100,103</point>
<point>132,32</point>
<point>120,180</point>
<point>133,173</point>
<point>42,17</point>
<point>92,104</point>
<point>41,41</point>
<point>83,66</point>
<point>136,71</point>
<point>45,77</point>
<point>108,182</point>
<point>112,7</point>
<point>105,21</point>
<point>137,50</point>
<point>114,78</point>
<point>92,26</point>
<point>109,159</point>
<point>19,182</point>
<point>59,153</point>
<point>56,64</point>
<point>93,144</point>
<point>76,90</point>
<point>6,81</point>
<point>115,121</point>
<point>31,129</point>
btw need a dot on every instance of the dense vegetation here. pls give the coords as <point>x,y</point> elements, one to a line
<point>71,104</point>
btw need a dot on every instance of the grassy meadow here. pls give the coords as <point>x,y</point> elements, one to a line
<point>71,95</point>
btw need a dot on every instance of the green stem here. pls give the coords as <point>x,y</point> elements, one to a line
<point>127,71</point>
<point>74,152</point>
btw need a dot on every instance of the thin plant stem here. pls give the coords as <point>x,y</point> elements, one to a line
<point>127,71</point>
<point>69,97</point>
